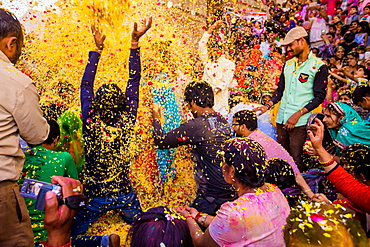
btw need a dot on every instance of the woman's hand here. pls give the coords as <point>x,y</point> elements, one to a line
<point>319,197</point>
<point>187,211</point>
<point>316,139</point>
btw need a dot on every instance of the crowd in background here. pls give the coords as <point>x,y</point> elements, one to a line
<point>252,190</point>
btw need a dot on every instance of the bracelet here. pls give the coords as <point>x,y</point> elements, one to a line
<point>301,111</point>
<point>134,42</point>
<point>329,162</point>
<point>199,214</point>
<point>203,219</point>
<point>189,216</point>
<point>307,190</point>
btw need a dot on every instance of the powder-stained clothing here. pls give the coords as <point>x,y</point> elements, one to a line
<point>20,116</point>
<point>273,149</point>
<point>254,219</point>
<point>219,74</point>
<point>106,148</point>
<point>300,86</point>
<point>41,164</point>
<point>350,187</point>
<point>206,135</point>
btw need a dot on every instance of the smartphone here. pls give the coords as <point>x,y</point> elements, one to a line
<point>35,189</point>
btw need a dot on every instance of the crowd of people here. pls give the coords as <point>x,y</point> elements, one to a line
<point>304,71</point>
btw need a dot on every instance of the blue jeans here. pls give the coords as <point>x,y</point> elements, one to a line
<point>126,204</point>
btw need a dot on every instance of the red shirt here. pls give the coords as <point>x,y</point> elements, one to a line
<point>356,192</point>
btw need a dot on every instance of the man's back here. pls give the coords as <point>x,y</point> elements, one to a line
<point>20,115</point>
<point>205,134</point>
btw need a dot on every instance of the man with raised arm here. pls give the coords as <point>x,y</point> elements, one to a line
<point>108,120</point>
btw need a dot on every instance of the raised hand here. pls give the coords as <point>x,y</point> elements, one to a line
<point>316,139</point>
<point>98,37</point>
<point>136,34</point>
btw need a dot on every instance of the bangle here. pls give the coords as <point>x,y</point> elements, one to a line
<point>189,216</point>
<point>134,42</point>
<point>307,190</point>
<point>203,219</point>
<point>301,111</point>
<point>329,162</point>
<point>199,214</point>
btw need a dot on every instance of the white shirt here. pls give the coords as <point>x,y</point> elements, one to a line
<point>318,25</point>
<point>219,74</point>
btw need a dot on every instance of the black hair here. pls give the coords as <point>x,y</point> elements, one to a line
<point>354,7</point>
<point>358,157</point>
<point>353,54</point>
<point>365,26</point>
<point>308,224</point>
<point>10,25</point>
<point>247,117</point>
<point>157,226</point>
<point>332,34</point>
<point>54,131</point>
<point>366,71</point>
<point>248,158</point>
<point>349,37</point>
<point>199,92</point>
<point>307,38</point>
<point>360,93</point>
<point>109,101</point>
<point>280,173</point>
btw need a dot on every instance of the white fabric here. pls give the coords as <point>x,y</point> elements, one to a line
<point>317,28</point>
<point>219,74</point>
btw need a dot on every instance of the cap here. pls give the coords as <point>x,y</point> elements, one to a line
<point>293,34</point>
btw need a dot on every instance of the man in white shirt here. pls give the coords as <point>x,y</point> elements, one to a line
<point>218,70</point>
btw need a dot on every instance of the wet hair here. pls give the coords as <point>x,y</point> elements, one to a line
<point>321,224</point>
<point>360,93</point>
<point>247,117</point>
<point>358,158</point>
<point>201,93</point>
<point>10,25</point>
<point>160,226</point>
<point>108,101</point>
<point>248,158</point>
<point>280,173</point>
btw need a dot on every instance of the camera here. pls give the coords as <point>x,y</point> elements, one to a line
<point>35,189</point>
